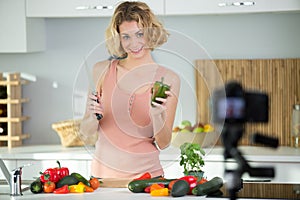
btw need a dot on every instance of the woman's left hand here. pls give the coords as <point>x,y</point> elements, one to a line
<point>160,108</point>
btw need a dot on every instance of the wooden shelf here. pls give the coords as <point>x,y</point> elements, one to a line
<point>19,137</point>
<point>13,101</point>
<point>14,119</point>
<point>20,82</point>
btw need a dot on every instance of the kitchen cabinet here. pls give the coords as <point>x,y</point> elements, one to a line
<point>19,34</point>
<point>194,7</point>
<point>80,8</point>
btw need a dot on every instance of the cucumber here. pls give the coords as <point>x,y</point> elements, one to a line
<point>67,180</point>
<point>36,186</point>
<point>180,188</point>
<point>80,178</point>
<point>218,193</point>
<point>138,186</point>
<point>208,187</point>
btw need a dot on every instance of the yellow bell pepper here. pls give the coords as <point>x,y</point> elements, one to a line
<point>160,192</point>
<point>87,188</point>
<point>77,188</point>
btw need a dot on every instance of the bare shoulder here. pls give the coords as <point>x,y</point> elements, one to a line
<point>99,71</point>
<point>171,76</point>
<point>101,66</point>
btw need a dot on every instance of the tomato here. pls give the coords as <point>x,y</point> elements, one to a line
<point>171,184</point>
<point>203,180</point>
<point>94,182</point>
<point>49,187</point>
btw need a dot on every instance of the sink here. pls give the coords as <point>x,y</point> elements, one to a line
<point>5,190</point>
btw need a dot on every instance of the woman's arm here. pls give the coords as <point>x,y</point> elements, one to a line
<point>89,124</point>
<point>163,115</point>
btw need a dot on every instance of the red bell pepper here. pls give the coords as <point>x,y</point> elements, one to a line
<point>50,175</point>
<point>145,176</point>
<point>54,174</point>
<point>62,190</point>
<point>192,181</point>
<point>62,171</point>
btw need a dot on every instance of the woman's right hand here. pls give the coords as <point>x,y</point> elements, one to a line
<point>95,105</point>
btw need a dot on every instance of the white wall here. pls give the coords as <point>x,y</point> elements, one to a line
<point>68,40</point>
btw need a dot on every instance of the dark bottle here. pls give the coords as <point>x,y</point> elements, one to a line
<point>3,128</point>
<point>3,110</point>
<point>3,92</point>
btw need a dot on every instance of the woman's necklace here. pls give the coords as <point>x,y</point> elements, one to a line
<point>131,100</point>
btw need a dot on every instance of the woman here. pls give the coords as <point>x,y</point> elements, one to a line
<point>133,128</point>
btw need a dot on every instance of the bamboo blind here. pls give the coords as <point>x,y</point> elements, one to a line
<point>279,78</point>
<point>266,190</point>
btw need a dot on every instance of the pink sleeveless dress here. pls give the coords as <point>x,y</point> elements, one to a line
<point>125,148</point>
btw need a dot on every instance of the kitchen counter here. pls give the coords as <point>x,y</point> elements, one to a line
<point>285,160</point>
<point>79,159</point>
<point>251,153</point>
<point>101,193</point>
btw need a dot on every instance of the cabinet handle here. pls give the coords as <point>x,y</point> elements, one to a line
<point>103,7</point>
<point>242,3</point>
<point>83,7</point>
<point>94,7</point>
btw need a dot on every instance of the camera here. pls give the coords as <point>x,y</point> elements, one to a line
<point>239,106</point>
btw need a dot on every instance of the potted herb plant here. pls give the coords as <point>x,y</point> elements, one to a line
<point>191,159</point>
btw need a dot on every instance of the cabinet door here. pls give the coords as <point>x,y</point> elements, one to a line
<point>192,7</point>
<point>30,172</point>
<point>80,8</point>
<point>18,34</point>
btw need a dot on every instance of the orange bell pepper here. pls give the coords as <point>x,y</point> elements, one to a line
<point>160,192</point>
<point>156,186</point>
<point>86,188</point>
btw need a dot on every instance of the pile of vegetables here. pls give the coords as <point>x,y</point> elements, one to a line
<point>186,185</point>
<point>59,181</point>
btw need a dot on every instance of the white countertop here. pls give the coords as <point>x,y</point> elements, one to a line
<point>214,155</point>
<point>251,153</point>
<point>101,193</point>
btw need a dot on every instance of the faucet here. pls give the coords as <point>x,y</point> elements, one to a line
<point>13,179</point>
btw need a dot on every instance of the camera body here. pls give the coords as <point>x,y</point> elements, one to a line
<point>239,106</point>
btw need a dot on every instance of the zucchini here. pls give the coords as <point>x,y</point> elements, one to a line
<point>208,187</point>
<point>218,193</point>
<point>180,188</point>
<point>67,180</point>
<point>80,178</point>
<point>36,186</point>
<point>138,186</point>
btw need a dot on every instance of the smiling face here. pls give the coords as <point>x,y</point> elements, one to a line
<point>133,40</point>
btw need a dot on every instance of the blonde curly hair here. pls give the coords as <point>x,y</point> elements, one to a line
<point>140,12</point>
